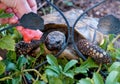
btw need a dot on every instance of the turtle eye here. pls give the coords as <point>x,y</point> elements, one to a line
<point>94,51</point>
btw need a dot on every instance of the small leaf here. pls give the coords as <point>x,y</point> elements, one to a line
<point>81,70</point>
<point>5,15</point>
<point>69,74</point>
<point>111,37</point>
<point>68,3</point>
<point>36,82</point>
<point>54,69</point>
<point>51,73</point>
<point>97,79</point>
<point>2,67</point>
<point>42,48</point>
<point>21,62</point>
<point>113,77</point>
<point>69,65</point>
<point>104,45</point>
<point>85,81</point>
<point>28,76</point>
<point>110,47</point>
<point>11,56</point>
<point>114,66</point>
<point>44,78</point>
<point>10,66</point>
<point>89,63</point>
<point>52,60</point>
<point>17,80</point>
<point>55,80</point>
<point>7,43</point>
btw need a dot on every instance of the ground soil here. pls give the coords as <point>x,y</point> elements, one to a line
<point>107,8</point>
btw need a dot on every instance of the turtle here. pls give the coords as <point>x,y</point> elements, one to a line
<point>56,35</point>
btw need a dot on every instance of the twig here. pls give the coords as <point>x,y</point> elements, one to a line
<point>41,5</point>
<point>115,39</point>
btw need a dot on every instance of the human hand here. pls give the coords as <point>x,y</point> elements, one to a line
<point>18,8</point>
<point>21,7</point>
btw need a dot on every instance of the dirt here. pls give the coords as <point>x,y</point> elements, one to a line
<point>107,8</point>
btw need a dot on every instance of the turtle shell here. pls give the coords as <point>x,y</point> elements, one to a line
<point>83,37</point>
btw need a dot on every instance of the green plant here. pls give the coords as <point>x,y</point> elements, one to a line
<point>19,70</point>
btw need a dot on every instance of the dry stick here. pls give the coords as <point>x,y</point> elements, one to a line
<point>118,36</point>
<point>40,6</point>
<point>24,79</point>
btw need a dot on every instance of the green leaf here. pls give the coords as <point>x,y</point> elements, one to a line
<point>10,66</point>
<point>50,72</point>
<point>11,56</point>
<point>110,47</point>
<point>85,81</point>
<point>5,15</point>
<point>113,77</point>
<point>7,43</point>
<point>17,80</point>
<point>114,66</point>
<point>28,76</point>
<point>54,69</point>
<point>89,63</point>
<point>97,78</point>
<point>44,78</point>
<point>104,45</point>
<point>2,67</point>
<point>21,62</point>
<point>36,82</point>
<point>69,65</point>
<point>111,37</point>
<point>52,60</point>
<point>55,80</point>
<point>69,74</point>
<point>42,48</point>
<point>68,3</point>
<point>16,35</point>
<point>81,70</point>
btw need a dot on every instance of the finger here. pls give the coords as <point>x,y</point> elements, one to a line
<point>22,8</point>
<point>9,3</point>
<point>4,21</point>
<point>33,5</point>
<point>3,6</point>
<point>13,20</point>
<point>9,10</point>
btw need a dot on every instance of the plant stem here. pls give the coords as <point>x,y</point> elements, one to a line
<point>118,36</point>
<point>5,78</point>
<point>8,77</point>
<point>99,68</point>
<point>33,70</point>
